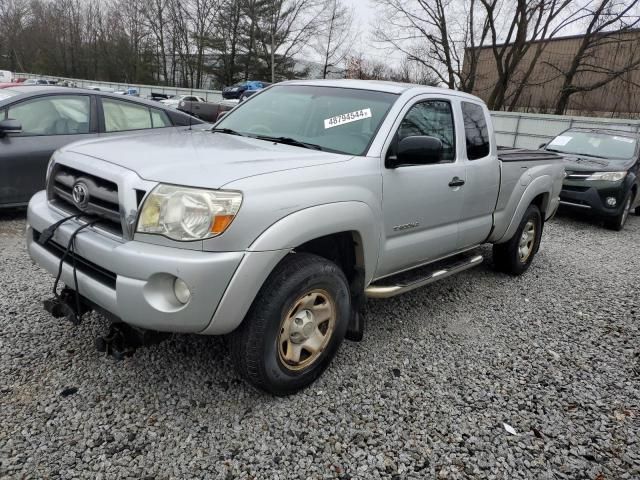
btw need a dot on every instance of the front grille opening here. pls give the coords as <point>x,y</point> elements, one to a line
<point>574,188</point>
<point>90,269</point>
<point>103,197</point>
<point>106,225</point>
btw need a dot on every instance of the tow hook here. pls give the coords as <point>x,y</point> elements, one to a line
<point>65,306</point>
<point>123,340</point>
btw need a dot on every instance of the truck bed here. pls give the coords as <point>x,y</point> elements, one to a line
<point>519,167</point>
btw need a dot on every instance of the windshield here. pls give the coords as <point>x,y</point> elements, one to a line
<point>602,145</point>
<point>342,120</point>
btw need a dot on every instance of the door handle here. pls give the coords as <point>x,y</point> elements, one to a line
<point>456,182</point>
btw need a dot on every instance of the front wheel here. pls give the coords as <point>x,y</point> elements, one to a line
<point>295,325</point>
<point>516,255</point>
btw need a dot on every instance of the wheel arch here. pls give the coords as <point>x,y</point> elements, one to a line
<point>538,193</point>
<point>350,238</point>
<point>351,225</point>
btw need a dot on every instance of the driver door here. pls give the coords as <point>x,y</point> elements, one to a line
<point>422,204</point>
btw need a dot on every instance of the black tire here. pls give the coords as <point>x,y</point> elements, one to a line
<point>507,257</point>
<point>255,346</point>
<point>618,222</point>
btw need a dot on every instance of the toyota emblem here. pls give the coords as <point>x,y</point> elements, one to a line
<point>80,194</point>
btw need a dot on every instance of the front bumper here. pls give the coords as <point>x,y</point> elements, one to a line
<point>132,280</point>
<point>591,199</point>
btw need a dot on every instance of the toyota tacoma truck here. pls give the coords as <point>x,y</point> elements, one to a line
<point>274,226</point>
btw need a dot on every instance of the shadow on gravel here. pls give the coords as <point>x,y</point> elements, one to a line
<point>13,214</point>
<point>583,219</point>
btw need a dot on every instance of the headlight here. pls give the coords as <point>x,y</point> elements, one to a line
<point>183,213</point>
<point>607,176</point>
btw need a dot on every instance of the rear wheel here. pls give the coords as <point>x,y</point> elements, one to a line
<point>295,325</point>
<point>516,255</point>
<point>617,223</point>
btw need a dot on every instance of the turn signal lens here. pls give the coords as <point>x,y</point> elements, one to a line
<point>220,223</point>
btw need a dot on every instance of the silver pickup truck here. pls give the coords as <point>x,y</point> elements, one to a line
<point>275,225</point>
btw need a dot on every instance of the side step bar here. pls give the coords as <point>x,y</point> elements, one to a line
<point>386,291</point>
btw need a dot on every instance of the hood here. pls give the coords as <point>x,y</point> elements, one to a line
<point>579,163</point>
<point>200,158</point>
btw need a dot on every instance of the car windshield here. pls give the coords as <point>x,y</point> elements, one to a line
<point>342,120</point>
<point>595,144</point>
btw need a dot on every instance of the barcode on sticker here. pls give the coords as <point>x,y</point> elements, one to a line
<point>347,118</point>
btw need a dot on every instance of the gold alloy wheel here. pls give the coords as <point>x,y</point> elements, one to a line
<point>527,239</point>
<point>306,330</point>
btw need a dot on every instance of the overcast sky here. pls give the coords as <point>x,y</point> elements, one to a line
<point>364,15</point>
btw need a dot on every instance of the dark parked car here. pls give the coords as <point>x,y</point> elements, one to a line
<point>602,172</point>
<point>236,91</point>
<point>37,120</point>
<point>207,111</point>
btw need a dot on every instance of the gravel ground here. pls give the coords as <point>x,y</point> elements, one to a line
<point>554,355</point>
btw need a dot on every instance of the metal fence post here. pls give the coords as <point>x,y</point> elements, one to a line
<point>515,134</point>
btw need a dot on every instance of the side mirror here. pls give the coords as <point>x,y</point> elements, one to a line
<point>417,150</point>
<point>542,145</point>
<point>10,126</point>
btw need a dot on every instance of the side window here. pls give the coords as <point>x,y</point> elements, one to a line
<point>120,116</point>
<point>433,118</point>
<point>476,132</point>
<point>53,115</point>
<point>159,119</point>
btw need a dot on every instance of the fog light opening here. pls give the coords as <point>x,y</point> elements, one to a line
<point>181,291</point>
<point>611,201</point>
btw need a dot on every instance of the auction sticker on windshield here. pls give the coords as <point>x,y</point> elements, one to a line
<point>347,118</point>
<point>561,140</point>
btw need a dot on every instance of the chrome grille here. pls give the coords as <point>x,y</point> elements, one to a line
<point>102,196</point>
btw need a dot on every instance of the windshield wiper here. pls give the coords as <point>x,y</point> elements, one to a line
<point>590,155</point>
<point>289,141</point>
<point>227,131</point>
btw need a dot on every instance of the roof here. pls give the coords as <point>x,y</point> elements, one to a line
<point>380,86</point>
<point>563,38</point>
<point>29,89</point>
<point>611,131</point>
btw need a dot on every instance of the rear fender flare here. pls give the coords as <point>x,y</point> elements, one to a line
<point>542,185</point>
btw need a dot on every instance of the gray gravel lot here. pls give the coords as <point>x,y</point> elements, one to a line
<point>555,354</point>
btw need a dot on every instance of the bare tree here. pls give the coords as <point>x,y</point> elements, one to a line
<point>157,16</point>
<point>529,21</point>
<point>201,16</point>
<point>13,20</point>
<point>335,35</point>
<point>439,34</point>
<point>608,21</point>
<point>286,28</point>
